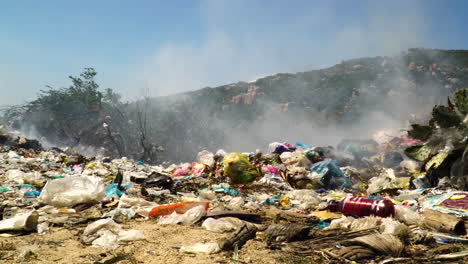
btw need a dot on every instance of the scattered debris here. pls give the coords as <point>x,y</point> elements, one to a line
<point>363,201</point>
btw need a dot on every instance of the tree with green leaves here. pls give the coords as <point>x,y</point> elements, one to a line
<point>444,151</point>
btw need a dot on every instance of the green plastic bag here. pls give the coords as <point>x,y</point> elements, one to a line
<point>238,168</point>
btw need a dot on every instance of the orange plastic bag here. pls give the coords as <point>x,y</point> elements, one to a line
<point>179,208</point>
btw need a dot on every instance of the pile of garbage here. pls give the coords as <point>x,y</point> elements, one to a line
<point>366,200</point>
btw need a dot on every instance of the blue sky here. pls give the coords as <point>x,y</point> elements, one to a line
<point>164,47</point>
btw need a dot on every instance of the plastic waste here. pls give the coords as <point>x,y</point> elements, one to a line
<point>15,175</point>
<point>353,224</point>
<point>406,215</point>
<point>224,187</point>
<point>294,159</point>
<point>218,226</point>
<point>331,176</point>
<point>221,153</point>
<point>270,169</point>
<point>20,222</point>
<point>107,233</point>
<point>155,179</point>
<point>206,158</point>
<point>360,207</point>
<point>188,218</point>
<point>12,155</point>
<point>26,251</point>
<point>21,177</point>
<point>73,190</point>
<point>236,203</point>
<point>386,225</point>
<point>451,202</point>
<point>139,205</point>
<point>284,148</point>
<point>387,181</point>
<point>206,248</point>
<point>184,171</point>
<point>197,168</point>
<point>4,189</point>
<point>272,146</point>
<point>303,199</point>
<point>313,156</point>
<point>179,208</point>
<point>207,194</point>
<point>238,168</point>
<point>303,146</point>
<point>448,239</point>
<point>410,165</point>
<point>33,193</point>
<point>112,189</point>
<point>43,228</point>
<point>394,227</point>
<point>273,179</point>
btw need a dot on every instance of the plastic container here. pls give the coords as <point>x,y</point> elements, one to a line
<point>179,208</point>
<point>360,207</point>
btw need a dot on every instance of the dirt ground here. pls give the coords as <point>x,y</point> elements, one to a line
<point>162,243</point>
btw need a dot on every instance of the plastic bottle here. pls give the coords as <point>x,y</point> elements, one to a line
<point>360,207</point>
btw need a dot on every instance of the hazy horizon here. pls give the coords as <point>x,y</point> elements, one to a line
<point>174,47</point>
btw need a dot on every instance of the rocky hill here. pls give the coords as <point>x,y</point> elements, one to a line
<point>365,92</point>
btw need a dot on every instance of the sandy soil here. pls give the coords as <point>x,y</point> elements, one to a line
<point>63,245</point>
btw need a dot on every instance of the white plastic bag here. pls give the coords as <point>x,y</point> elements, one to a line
<point>206,158</point>
<point>406,215</point>
<point>218,226</point>
<point>69,191</point>
<point>139,205</point>
<point>19,177</point>
<point>236,203</point>
<point>207,248</point>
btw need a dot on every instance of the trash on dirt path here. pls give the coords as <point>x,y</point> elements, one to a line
<point>297,197</point>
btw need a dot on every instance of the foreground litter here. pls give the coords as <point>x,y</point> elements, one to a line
<point>316,203</point>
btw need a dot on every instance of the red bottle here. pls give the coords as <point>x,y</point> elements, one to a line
<point>360,207</point>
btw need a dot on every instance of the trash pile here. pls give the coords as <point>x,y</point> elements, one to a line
<point>364,201</point>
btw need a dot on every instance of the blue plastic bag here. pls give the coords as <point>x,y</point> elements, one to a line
<point>332,176</point>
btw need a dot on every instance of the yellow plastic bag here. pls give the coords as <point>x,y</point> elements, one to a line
<point>238,168</point>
